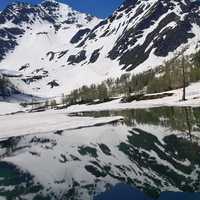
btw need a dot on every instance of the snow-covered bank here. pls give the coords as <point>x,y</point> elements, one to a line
<point>43,122</point>
<point>7,108</point>
<point>192,96</point>
<point>13,103</point>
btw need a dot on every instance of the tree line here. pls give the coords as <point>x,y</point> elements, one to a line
<point>176,73</point>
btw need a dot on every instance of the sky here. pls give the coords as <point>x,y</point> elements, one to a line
<point>99,8</point>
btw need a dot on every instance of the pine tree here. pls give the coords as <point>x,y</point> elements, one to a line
<point>184,77</point>
<point>53,103</point>
<point>102,92</point>
<point>196,59</point>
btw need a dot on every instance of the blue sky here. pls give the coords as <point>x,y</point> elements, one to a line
<point>100,8</point>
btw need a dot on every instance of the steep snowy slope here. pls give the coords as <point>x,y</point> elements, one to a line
<point>19,17</point>
<point>58,49</point>
<point>45,32</point>
<point>143,33</point>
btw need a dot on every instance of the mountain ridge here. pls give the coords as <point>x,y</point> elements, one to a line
<point>75,49</point>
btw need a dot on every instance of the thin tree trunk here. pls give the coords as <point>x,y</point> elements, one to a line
<point>189,126</point>
<point>184,78</point>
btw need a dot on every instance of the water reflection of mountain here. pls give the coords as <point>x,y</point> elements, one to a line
<point>83,163</point>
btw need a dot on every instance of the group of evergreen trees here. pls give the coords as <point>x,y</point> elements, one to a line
<point>4,89</point>
<point>88,94</point>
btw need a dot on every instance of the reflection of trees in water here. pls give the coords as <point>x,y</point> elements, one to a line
<point>196,113</point>
<point>9,145</point>
<point>184,119</point>
<point>188,118</point>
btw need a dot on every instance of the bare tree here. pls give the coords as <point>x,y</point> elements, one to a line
<point>184,77</point>
<point>183,68</point>
<point>188,121</point>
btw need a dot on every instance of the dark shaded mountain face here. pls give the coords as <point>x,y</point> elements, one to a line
<point>139,35</point>
<point>158,26</point>
<point>141,30</point>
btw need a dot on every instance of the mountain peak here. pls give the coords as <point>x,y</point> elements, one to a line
<point>53,5</point>
<point>134,2</point>
<point>52,1</point>
<point>63,13</point>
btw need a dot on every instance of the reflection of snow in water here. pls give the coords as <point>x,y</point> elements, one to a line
<point>94,153</point>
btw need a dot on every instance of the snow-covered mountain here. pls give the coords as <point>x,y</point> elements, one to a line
<point>32,35</point>
<point>58,49</point>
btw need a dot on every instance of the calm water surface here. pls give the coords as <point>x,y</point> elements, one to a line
<point>151,154</point>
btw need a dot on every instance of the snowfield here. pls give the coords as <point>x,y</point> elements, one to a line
<point>7,108</point>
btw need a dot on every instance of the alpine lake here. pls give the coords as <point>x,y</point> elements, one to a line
<point>149,154</point>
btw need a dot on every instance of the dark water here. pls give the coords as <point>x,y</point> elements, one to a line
<point>151,154</point>
<point>122,191</point>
